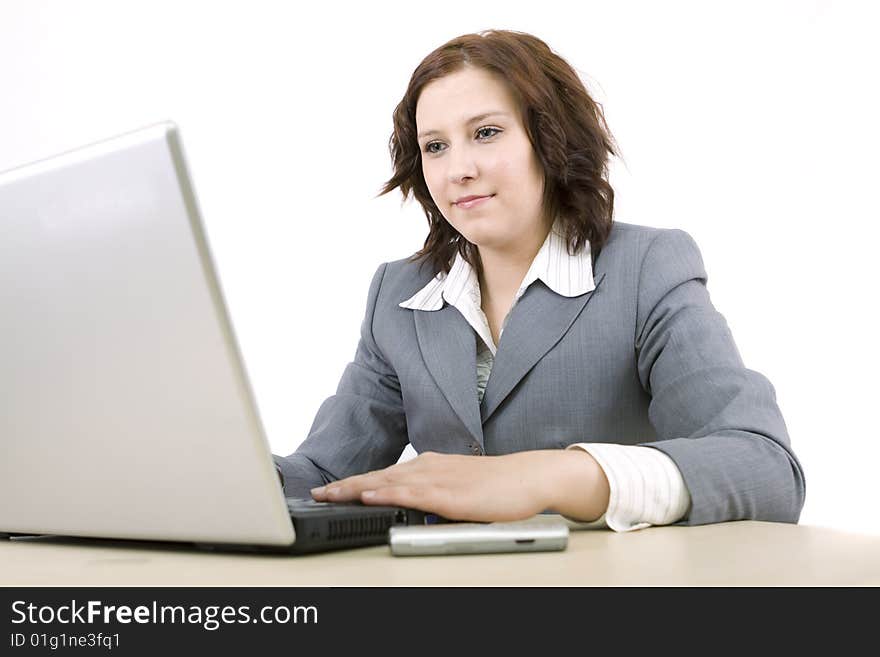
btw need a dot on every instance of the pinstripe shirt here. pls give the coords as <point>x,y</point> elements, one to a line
<point>646,487</point>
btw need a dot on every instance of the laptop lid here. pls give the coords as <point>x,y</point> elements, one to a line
<point>126,411</point>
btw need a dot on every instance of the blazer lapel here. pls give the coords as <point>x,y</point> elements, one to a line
<point>537,322</point>
<point>448,345</point>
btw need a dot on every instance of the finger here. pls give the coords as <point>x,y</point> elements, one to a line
<point>441,501</point>
<point>413,497</point>
<point>426,469</point>
<point>428,499</point>
<point>350,488</point>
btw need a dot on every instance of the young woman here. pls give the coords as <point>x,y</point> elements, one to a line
<point>537,355</point>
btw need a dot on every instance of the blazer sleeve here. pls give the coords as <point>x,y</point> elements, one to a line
<point>360,428</point>
<point>718,421</point>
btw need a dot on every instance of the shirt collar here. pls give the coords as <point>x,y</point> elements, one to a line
<point>567,275</point>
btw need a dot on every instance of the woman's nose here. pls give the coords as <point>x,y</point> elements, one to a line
<point>461,165</point>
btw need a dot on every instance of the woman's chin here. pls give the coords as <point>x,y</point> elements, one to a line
<point>481,240</point>
<point>480,233</point>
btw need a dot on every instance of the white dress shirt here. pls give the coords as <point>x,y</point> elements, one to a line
<point>645,484</point>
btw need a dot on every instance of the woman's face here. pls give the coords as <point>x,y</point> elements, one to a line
<point>473,144</point>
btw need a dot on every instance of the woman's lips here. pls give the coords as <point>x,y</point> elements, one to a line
<point>465,205</point>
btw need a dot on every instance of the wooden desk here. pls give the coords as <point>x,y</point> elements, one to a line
<point>730,554</point>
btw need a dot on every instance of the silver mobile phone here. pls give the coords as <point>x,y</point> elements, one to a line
<point>532,535</point>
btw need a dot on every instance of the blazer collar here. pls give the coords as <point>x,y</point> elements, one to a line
<point>536,323</point>
<point>448,345</point>
<point>541,315</point>
<point>449,349</point>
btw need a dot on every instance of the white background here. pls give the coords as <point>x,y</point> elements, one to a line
<point>753,126</point>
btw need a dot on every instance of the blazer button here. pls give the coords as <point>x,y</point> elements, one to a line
<point>475,450</point>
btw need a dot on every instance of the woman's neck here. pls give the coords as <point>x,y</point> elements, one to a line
<point>502,271</point>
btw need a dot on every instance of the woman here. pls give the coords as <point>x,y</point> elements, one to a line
<point>537,355</point>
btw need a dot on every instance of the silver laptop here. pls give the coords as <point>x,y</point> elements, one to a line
<point>126,411</point>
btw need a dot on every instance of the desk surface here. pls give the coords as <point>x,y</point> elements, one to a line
<point>729,554</point>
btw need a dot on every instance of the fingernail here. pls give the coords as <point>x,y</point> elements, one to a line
<point>318,490</point>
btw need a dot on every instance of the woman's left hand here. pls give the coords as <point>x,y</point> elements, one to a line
<point>482,488</point>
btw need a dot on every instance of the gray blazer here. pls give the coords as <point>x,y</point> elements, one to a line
<point>643,359</point>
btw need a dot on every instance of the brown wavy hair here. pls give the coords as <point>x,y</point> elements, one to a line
<point>565,125</point>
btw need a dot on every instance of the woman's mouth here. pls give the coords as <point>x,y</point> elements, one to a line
<point>472,201</point>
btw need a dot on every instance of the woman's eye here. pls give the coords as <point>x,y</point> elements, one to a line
<point>483,133</point>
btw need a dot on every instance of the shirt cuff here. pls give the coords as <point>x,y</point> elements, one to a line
<point>646,487</point>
